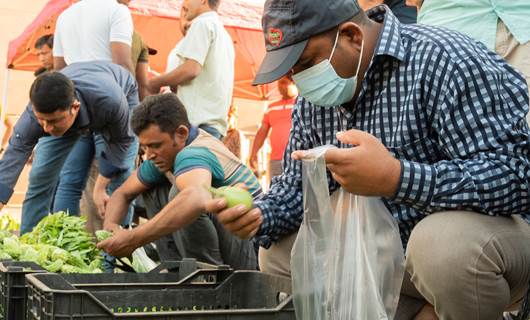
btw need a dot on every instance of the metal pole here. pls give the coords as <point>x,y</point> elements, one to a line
<point>3,110</point>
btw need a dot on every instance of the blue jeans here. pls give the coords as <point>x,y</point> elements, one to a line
<point>64,163</point>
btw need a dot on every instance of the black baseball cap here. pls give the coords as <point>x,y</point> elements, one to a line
<point>287,26</point>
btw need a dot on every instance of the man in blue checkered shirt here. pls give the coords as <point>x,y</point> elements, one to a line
<point>427,119</point>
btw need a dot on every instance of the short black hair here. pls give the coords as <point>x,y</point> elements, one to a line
<point>52,91</point>
<point>40,71</point>
<point>214,4</point>
<point>164,110</point>
<point>46,39</point>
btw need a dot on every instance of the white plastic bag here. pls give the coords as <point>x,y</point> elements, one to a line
<point>347,261</point>
<point>141,262</point>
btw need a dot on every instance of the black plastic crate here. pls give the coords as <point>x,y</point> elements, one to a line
<point>13,287</point>
<point>206,294</point>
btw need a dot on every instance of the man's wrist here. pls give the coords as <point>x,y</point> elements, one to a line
<point>101,183</point>
<point>394,176</point>
<point>111,225</point>
<point>139,237</point>
<point>158,82</point>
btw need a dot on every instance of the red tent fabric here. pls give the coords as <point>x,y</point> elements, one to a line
<point>157,22</point>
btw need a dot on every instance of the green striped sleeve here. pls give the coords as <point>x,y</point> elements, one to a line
<point>198,157</point>
<point>149,175</point>
<point>244,175</point>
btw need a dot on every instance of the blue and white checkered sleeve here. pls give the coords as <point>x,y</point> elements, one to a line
<point>282,206</point>
<point>481,130</point>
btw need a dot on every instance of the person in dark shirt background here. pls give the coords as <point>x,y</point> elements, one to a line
<point>405,14</point>
<point>44,50</point>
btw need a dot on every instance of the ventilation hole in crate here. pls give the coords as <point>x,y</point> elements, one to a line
<point>281,296</point>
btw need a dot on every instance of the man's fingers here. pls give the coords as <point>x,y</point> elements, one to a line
<point>239,219</point>
<point>245,221</point>
<point>353,137</point>
<point>250,229</point>
<point>101,211</point>
<point>337,156</point>
<point>298,155</point>
<point>340,180</point>
<point>338,169</point>
<point>216,205</point>
<point>233,214</point>
<point>104,208</point>
<point>333,169</point>
<point>103,244</point>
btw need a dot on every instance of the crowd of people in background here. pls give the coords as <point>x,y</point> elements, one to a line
<point>432,118</point>
<point>203,62</point>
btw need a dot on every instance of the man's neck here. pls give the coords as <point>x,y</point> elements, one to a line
<point>204,10</point>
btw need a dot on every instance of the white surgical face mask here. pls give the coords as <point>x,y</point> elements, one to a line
<point>322,86</point>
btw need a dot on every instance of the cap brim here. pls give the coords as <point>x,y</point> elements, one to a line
<point>277,63</point>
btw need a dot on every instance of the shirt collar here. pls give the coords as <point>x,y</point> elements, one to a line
<point>83,118</point>
<point>390,42</point>
<point>207,14</point>
<point>194,132</point>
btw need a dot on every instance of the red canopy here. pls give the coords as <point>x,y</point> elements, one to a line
<point>157,22</point>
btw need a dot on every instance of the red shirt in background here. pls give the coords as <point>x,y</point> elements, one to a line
<point>278,118</point>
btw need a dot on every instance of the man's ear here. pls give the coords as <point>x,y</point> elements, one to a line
<point>182,133</point>
<point>75,107</point>
<point>353,34</point>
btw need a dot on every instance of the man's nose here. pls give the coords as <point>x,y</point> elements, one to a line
<point>47,127</point>
<point>149,154</point>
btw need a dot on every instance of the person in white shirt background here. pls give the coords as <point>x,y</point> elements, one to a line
<point>84,31</point>
<point>173,59</point>
<point>205,80</point>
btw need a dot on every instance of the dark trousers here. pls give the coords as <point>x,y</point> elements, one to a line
<point>205,239</point>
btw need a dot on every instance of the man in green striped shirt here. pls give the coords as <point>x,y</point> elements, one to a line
<point>502,26</point>
<point>182,163</point>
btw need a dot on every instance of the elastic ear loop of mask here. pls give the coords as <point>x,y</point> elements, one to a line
<point>335,46</point>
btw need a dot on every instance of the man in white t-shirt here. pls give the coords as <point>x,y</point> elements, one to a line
<point>85,30</point>
<point>205,80</point>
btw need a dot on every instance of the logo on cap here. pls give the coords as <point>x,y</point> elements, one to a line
<point>275,36</point>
